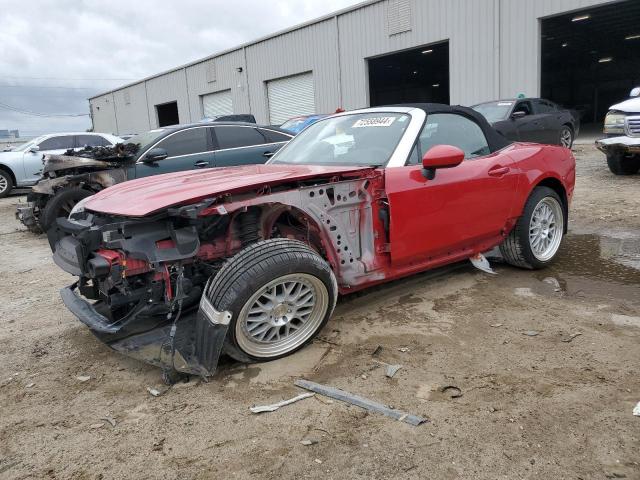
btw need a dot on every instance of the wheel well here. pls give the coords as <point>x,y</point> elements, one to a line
<point>10,172</point>
<point>570,127</point>
<point>295,223</point>
<point>556,185</point>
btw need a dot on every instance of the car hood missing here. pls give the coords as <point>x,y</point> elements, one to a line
<point>144,196</point>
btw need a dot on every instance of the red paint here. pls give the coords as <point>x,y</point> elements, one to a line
<point>460,207</point>
<point>131,266</point>
<point>442,156</point>
<point>144,196</point>
<point>464,210</point>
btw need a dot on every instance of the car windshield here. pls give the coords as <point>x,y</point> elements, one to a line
<point>494,111</point>
<point>26,146</point>
<point>146,139</point>
<point>354,139</point>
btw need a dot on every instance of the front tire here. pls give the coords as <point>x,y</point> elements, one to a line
<point>621,164</point>
<point>280,293</point>
<point>6,183</point>
<point>61,204</point>
<point>535,240</point>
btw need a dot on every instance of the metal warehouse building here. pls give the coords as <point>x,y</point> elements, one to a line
<point>580,53</point>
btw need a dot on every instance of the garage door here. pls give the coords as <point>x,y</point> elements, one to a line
<point>289,97</point>
<point>215,104</point>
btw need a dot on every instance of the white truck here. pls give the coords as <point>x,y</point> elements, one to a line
<point>622,144</point>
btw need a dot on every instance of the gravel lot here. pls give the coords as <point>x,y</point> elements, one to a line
<point>537,407</point>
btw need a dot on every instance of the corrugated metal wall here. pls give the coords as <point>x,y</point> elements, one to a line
<point>493,52</point>
<point>200,82</point>
<point>468,25</point>
<point>310,49</point>
<point>170,87</point>
<point>103,114</point>
<point>131,109</point>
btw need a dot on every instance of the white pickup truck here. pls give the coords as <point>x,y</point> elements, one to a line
<point>622,145</point>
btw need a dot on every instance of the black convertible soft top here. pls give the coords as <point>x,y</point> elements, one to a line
<point>495,140</point>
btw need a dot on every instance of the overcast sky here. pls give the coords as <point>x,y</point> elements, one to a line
<point>55,54</point>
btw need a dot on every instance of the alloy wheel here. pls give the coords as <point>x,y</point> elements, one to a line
<point>566,138</point>
<point>282,315</point>
<point>546,228</point>
<point>4,184</point>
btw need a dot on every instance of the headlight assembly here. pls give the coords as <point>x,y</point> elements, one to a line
<point>614,123</point>
<point>78,209</point>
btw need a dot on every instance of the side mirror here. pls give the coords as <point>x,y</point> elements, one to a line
<point>518,114</point>
<point>440,156</point>
<point>34,149</point>
<point>635,92</point>
<point>154,155</point>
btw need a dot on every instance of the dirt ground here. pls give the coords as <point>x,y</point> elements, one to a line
<point>532,407</point>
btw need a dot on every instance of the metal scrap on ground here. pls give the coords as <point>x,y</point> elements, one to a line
<point>636,410</point>
<point>361,402</point>
<point>571,337</point>
<point>452,390</point>
<point>481,263</point>
<point>276,406</point>
<point>390,370</point>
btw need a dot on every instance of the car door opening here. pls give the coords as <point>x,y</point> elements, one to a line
<point>591,58</point>
<point>167,114</point>
<point>411,76</point>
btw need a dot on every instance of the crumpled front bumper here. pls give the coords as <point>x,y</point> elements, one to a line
<point>621,143</point>
<point>192,347</point>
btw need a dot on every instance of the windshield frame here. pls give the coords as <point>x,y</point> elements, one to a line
<point>401,151</point>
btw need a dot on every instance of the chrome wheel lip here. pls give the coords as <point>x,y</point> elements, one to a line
<point>4,184</point>
<point>546,228</point>
<point>565,138</point>
<point>246,331</point>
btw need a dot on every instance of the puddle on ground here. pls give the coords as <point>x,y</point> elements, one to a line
<point>592,263</point>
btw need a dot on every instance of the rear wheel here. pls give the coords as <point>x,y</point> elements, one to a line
<point>621,164</point>
<point>566,136</point>
<point>6,183</point>
<point>280,293</point>
<point>535,240</point>
<point>61,204</point>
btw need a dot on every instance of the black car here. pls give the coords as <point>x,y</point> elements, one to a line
<point>532,120</point>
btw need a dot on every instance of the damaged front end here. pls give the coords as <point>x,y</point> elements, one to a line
<point>624,144</point>
<point>92,168</point>
<point>139,287</point>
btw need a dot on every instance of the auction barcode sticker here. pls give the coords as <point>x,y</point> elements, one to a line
<point>374,122</point>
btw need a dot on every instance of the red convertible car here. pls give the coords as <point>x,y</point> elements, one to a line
<point>175,269</point>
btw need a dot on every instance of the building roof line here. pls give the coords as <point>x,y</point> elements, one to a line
<point>242,46</point>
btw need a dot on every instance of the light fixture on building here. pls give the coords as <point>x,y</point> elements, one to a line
<point>632,37</point>
<point>435,85</point>
<point>415,72</point>
<point>581,18</point>
<point>239,69</point>
<point>605,60</point>
<point>565,44</point>
<point>426,52</point>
